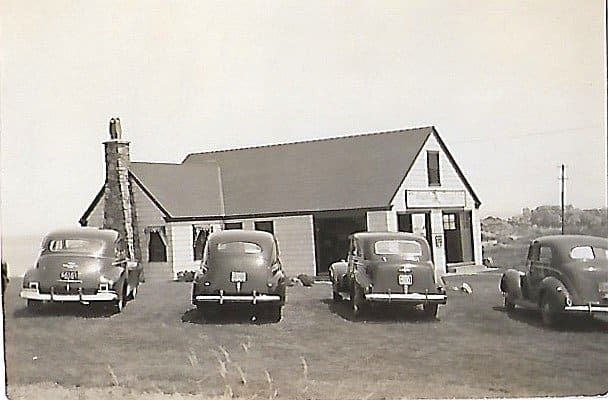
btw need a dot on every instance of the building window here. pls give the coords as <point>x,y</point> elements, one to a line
<point>266,226</point>
<point>233,225</point>
<point>432,166</point>
<point>449,222</point>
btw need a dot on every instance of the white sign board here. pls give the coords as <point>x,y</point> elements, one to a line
<point>434,198</point>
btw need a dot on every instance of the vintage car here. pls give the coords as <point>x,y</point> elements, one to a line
<point>387,268</point>
<point>82,265</point>
<point>564,274</point>
<point>240,267</point>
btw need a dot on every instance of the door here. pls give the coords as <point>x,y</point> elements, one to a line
<point>453,243</point>
<point>540,265</point>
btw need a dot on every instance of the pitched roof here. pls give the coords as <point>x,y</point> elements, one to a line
<point>181,190</point>
<point>352,172</point>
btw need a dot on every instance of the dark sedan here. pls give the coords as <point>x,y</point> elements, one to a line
<point>82,265</point>
<point>564,274</point>
<point>388,268</point>
<point>240,267</point>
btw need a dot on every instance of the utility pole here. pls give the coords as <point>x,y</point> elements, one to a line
<point>563,181</point>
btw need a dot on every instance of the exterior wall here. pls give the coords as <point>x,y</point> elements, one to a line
<point>296,241</point>
<point>417,179</point>
<point>381,221</point>
<point>296,244</point>
<point>96,216</point>
<point>147,215</point>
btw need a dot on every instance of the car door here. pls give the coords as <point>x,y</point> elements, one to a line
<point>540,267</point>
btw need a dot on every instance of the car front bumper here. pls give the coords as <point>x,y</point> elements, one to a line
<point>412,298</point>
<point>34,294</point>
<point>252,298</point>
<point>587,308</point>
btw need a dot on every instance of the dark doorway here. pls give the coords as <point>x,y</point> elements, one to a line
<point>157,251</point>
<point>405,224</point>
<point>331,237</point>
<point>453,241</point>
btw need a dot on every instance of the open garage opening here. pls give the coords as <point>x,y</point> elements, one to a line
<point>331,235</point>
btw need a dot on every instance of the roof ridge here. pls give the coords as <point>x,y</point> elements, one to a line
<point>311,140</point>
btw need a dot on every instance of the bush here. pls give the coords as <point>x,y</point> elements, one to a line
<point>306,280</point>
<point>185,276</point>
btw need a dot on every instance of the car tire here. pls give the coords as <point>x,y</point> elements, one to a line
<point>357,303</point>
<point>430,310</point>
<point>335,295</point>
<point>34,305</point>
<point>548,314</point>
<point>134,292</point>
<point>509,305</point>
<point>120,303</point>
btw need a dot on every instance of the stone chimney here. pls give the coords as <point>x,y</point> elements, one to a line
<point>119,208</point>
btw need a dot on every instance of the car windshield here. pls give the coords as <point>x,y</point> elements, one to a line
<point>74,245</point>
<point>588,253</point>
<point>408,249</point>
<point>239,248</point>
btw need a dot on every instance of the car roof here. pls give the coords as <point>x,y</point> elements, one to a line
<point>572,240</point>
<point>373,236</point>
<point>259,237</point>
<point>83,233</point>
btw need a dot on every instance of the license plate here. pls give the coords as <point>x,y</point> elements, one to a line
<point>405,279</point>
<point>603,287</point>
<point>68,275</point>
<point>238,276</point>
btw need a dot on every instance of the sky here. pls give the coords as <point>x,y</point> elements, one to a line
<point>515,88</point>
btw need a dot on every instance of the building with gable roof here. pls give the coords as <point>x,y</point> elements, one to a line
<point>310,194</point>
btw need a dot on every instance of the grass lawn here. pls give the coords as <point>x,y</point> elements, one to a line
<point>159,347</point>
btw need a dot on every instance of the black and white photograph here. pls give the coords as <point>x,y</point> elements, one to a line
<point>317,199</point>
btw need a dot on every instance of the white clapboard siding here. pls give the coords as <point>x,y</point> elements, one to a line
<point>296,244</point>
<point>417,177</point>
<point>95,218</point>
<point>148,215</point>
<point>379,221</point>
<point>179,234</point>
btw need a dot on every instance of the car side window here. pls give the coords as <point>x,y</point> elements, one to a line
<point>544,256</point>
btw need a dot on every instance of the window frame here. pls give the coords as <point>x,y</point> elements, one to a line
<point>433,174</point>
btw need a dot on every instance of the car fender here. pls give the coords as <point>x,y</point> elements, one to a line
<point>551,286</point>
<point>510,283</point>
<point>362,279</point>
<point>30,276</point>
<point>337,272</point>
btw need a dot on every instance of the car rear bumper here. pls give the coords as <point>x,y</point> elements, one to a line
<point>34,294</point>
<point>222,298</point>
<point>414,298</point>
<point>588,308</point>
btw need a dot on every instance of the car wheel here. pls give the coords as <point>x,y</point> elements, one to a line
<point>34,305</point>
<point>547,312</point>
<point>430,310</point>
<point>509,305</point>
<point>335,295</point>
<point>121,302</point>
<point>134,292</point>
<point>357,302</point>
